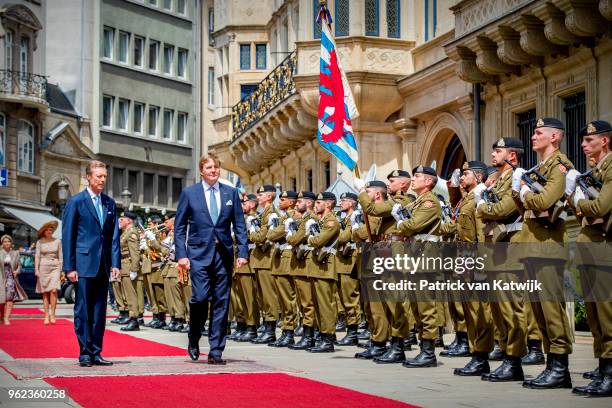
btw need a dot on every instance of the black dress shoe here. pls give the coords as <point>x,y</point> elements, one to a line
<point>216,360</point>
<point>193,349</point>
<point>85,361</point>
<point>477,366</point>
<point>100,361</point>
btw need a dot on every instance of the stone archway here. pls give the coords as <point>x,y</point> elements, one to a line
<point>446,142</point>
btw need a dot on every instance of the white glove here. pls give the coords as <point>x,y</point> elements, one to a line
<point>133,275</point>
<point>149,235</point>
<point>516,179</point>
<point>309,223</point>
<point>143,244</point>
<point>399,223</point>
<point>570,181</point>
<point>524,190</point>
<point>395,212</point>
<point>272,217</point>
<point>481,201</point>
<point>249,221</point>
<point>358,183</point>
<point>454,180</point>
<point>287,223</point>
<point>478,190</point>
<point>578,195</point>
<point>252,229</point>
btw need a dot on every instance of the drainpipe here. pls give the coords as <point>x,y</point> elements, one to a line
<point>477,128</point>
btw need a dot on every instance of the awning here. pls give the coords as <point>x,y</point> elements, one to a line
<point>33,218</point>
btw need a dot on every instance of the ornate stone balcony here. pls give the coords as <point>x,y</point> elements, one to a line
<point>274,89</point>
<point>496,38</point>
<point>22,87</point>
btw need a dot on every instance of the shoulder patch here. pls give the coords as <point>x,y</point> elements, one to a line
<point>134,236</point>
<point>562,169</point>
<point>428,204</point>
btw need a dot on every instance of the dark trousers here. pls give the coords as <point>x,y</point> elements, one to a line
<point>210,284</point>
<point>90,312</point>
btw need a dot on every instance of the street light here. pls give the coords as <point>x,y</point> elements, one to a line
<point>126,196</point>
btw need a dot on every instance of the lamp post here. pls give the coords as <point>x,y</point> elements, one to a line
<point>62,193</point>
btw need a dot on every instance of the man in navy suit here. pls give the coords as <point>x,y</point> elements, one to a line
<point>90,246</point>
<point>205,216</point>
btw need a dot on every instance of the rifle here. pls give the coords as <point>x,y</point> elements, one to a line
<point>490,197</point>
<point>532,177</point>
<point>447,212</point>
<point>588,182</point>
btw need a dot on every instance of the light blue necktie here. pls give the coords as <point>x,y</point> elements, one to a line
<point>99,209</point>
<point>214,211</point>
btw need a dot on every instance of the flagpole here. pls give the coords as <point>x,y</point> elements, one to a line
<point>365,214</point>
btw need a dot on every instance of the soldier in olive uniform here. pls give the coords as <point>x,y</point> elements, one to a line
<point>153,281</point>
<point>346,269</point>
<point>282,263</point>
<point>296,237</point>
<point>539,227</point>
<point>387,314</point>
<point>594,213</point>
<point>320,263</point>
<point>422,225</point>
<point>130,266</point>
<point>177,303</point>
<point>468,228</point>
<point>262,262</point>
<point>502,220</point>
<point>245,285</point>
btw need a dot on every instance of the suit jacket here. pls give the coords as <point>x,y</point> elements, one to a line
<point>87,245</point>
<point>195,234</point>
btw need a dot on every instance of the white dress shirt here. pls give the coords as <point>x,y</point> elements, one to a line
<point>207,195</point>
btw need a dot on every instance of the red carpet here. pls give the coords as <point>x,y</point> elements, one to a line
<point>27,311</point>
<point>29,338</point>
<point>214,390</point>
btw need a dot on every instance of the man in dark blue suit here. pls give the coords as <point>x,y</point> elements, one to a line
<point>90,246</point>
<point>205,216</point>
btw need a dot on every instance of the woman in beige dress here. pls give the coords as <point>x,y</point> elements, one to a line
<point>10,290</point>
<point>47,266</point>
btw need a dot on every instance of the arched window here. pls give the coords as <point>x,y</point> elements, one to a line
<point>341,16</point>
<point>25,143</point>
<point>371,17</point>
<point>2,139</point>
<point>393,18</point>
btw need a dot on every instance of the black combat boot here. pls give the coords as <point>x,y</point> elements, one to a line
<point>178,326</point>
<point>594,374</point>
<point>351,336</point>
<point>132,325</point>
<point>452,345</point>
<point>141,320</point>
<point>363,324</point>
<point>287,339</point>
<point>185,328</point>
<point>497,354</point>
<point>240,329</point>
<point>509,370</point>
<point>341,324</point>
<point>602,387</point>
<point>154,321</point>
<point>249,334</point>
<point>306,341</point>
<point>120,317</point>
<point>556,374</point>
<point>395,353</point>
<point>261,327</point>
<point>299,332</point>
<point>439,342</point>
<point>170,325</point>
<point>478,365</point>
<point>412,338</point>
<point>325,345</point>
<point>376,349</point>
<point>364,334</point>
<point>534,353</point>
<point>268,335</point>
<point>461,348</point>
<point>426,358</point>
<point>161,322</point>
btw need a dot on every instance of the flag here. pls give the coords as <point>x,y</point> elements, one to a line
<point>336,103</point>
